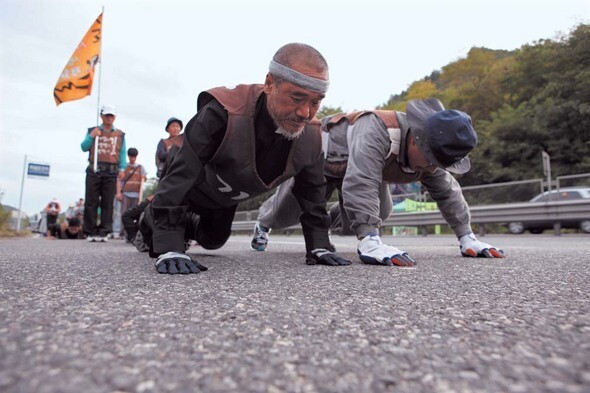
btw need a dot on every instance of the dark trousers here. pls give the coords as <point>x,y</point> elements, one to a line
<point>130,219</point>
<point>339,223</point>
<point>100,192</point>
<point>126,204</point>
<point>209,227</point>
<point>51,219</point>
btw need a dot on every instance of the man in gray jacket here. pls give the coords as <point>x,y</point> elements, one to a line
<point>367,150</point>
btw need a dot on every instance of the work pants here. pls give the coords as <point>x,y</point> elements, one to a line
<point>100,192</point>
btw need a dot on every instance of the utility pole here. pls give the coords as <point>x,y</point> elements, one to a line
<point>547,170</point>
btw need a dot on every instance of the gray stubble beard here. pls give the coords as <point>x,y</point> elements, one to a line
<point>289,135</point>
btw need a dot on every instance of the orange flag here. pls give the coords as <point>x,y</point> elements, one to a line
<point>75,81</point>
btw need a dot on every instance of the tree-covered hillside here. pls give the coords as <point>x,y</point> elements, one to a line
<point>521,102</point>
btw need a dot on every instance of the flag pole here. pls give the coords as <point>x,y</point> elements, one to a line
<point>98,98</point>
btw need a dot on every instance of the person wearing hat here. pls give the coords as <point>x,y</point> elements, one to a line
<point>174,128</point>
<point>52,210</point>
<point>365,151</point>
<point>243,142</point>
<point>101,183</point>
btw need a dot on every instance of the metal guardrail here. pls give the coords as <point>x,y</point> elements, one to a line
<point>559,179</point>
<point>555,211</point>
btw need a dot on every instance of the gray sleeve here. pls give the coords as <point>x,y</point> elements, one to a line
<point>281,210</point>
<point>446,191</point>
<point>368,144</point>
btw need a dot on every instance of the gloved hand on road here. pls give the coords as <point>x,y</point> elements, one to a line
<point>471,247</point>
<point>178,263</point>
<point>321,256</point>
<point>372,251</point>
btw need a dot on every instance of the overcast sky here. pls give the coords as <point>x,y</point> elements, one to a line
<point>158,55</point>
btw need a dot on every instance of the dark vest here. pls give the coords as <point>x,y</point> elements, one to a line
<point>109,147</point>
<point>230,175</point>
<point>132,181</point>
<point>388,117</point>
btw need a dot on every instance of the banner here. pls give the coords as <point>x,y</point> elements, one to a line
<point>409,205</point>
<point>75,81</point>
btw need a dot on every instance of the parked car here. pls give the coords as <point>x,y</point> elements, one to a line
<point>564,194</point>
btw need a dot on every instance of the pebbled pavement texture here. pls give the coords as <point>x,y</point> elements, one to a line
<point>97,317</point>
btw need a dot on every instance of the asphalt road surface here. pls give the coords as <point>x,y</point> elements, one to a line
<point>94,317</point>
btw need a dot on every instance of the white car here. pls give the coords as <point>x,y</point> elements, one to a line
<point>564,194</point>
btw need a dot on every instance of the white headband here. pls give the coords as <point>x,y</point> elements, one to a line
<point>297,78</point>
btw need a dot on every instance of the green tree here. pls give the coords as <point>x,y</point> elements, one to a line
<point>4,218</point>
<point>533,99</point>
<point>327,111</point>
<point>547,108</point>
<point>149,187</point>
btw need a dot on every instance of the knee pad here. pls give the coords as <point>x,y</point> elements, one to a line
<point>209,244</point>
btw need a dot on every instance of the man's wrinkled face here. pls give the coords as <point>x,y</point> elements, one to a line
<point>290,106</point>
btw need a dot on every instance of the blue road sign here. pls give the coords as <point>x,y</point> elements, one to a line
<point>41,170</point>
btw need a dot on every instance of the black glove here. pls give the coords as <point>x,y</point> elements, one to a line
<point>321,256</point>
<point>178,263</point>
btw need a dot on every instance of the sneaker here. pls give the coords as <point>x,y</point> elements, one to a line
<point>103,239</point>
<point>91,239</point>
<point>260,239</point>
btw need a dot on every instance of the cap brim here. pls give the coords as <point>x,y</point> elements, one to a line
<point>417,111</point>
<point>460,167</point>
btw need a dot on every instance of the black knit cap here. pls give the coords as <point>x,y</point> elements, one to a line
<point>74,222</point>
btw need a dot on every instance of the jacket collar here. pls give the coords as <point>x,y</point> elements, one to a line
<point>402,157</point>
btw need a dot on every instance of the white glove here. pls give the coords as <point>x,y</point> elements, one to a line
<point>471,247</point>
<point>372,251</point>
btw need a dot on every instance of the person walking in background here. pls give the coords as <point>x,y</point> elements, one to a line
<point>101,184</point>
<point>52,211</point>
<point>173,127</point>
<point>43,223</point>
<point>79,209</point>
<point>70,211</point>
<point>130,182</point>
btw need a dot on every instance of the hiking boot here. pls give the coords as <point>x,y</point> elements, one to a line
<point>260,239</point>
